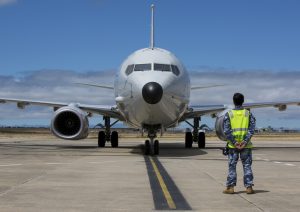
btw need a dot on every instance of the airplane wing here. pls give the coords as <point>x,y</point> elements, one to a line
<point>280,105</point>
<point>200,110</point>
<point>97,86</point>
<point>207,86</point>
<point>104,110</point>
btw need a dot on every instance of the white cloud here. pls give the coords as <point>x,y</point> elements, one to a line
<point>7,2</point>
<point>57,85</point>
<point>257,86</point>
<point>53,85</point>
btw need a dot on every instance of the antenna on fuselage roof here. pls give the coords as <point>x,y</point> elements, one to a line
<point>152,27</point>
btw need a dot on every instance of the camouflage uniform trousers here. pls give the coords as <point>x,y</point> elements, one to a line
<point>246,158</point>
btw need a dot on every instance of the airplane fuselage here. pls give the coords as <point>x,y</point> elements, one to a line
<point>152,88</point>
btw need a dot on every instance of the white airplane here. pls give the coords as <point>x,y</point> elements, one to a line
<point>152,93</point>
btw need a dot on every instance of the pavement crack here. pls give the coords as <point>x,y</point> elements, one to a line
<point>13,188</point>
<point>250,202</point>
<point>214,179</point>
<point>244,198</point>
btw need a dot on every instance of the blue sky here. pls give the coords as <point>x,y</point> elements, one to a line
<point>83,36</point>
<point>98,34</point>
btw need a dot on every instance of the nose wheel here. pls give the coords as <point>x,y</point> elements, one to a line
<point>156,147</point>
<point>151,147</point>
<point>147,147</point>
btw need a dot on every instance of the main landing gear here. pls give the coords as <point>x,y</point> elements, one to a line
<point>195,136</point>
<point>107,135</point>
<point>151,146</point>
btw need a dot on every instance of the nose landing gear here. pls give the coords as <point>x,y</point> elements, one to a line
<point>151,146</point>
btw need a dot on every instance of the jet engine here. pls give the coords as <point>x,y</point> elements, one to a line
<point>70,123</point>
<point>219,125</point>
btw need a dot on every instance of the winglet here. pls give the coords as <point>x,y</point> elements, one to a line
<point>152,27</point>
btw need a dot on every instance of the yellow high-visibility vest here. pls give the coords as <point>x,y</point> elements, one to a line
<point>239,121</point>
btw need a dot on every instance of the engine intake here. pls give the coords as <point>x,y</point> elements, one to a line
<point>70,123</point>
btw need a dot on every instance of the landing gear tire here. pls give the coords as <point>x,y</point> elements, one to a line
<point>101,139</point>
<point>114,139</point>
<point>201,140</point>
<point>188,140</point>
<point>156,147</point>
<point>147,147</point>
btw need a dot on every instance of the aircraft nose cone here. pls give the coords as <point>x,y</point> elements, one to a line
<point>152,92</point>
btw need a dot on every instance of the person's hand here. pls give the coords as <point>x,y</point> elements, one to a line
<point>237,145</point>
<point>242,145</point>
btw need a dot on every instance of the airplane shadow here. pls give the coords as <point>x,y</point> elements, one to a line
<point>172,150</point>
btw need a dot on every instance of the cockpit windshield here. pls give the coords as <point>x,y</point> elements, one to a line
<point>148,67</point>
<point>129,69</point>
<point>161,67</point>
<point>175,70</point>
<point>166,67</point>
<point>142,67</point>
<point>137,67</point>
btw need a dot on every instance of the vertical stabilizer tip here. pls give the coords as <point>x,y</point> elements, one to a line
<point>152,27</point>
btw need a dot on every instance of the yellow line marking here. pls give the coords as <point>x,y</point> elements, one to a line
<point>163,186</point>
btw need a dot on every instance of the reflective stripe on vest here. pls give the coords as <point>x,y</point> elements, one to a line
<point>239,121</point>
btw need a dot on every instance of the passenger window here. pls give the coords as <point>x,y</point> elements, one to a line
<point>175,70</point>
<point>142,67</point>
<point>161,67</point>
<point>129,69</point>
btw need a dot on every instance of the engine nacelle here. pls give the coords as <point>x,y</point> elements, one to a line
<point>219,125</point>
<point>70,123</point>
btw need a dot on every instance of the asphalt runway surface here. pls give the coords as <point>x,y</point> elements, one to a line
<point>53,175</point>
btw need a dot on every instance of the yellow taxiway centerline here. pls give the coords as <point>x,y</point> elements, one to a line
<point>163,186</point>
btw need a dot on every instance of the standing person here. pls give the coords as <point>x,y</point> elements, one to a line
<point>239,126</point>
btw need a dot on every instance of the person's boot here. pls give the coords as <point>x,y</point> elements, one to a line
<point>249,190</point>
<point>229,190</point>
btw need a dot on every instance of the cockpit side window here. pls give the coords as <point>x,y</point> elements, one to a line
<point>175,70</point>
<point>162,67</point>
<point>129,69</point>
<point>142,67</point>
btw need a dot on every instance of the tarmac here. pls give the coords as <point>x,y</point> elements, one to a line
<point>48,174</point>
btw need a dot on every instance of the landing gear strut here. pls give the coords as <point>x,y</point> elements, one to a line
<point>195,136</point>
<point>107,135</point>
